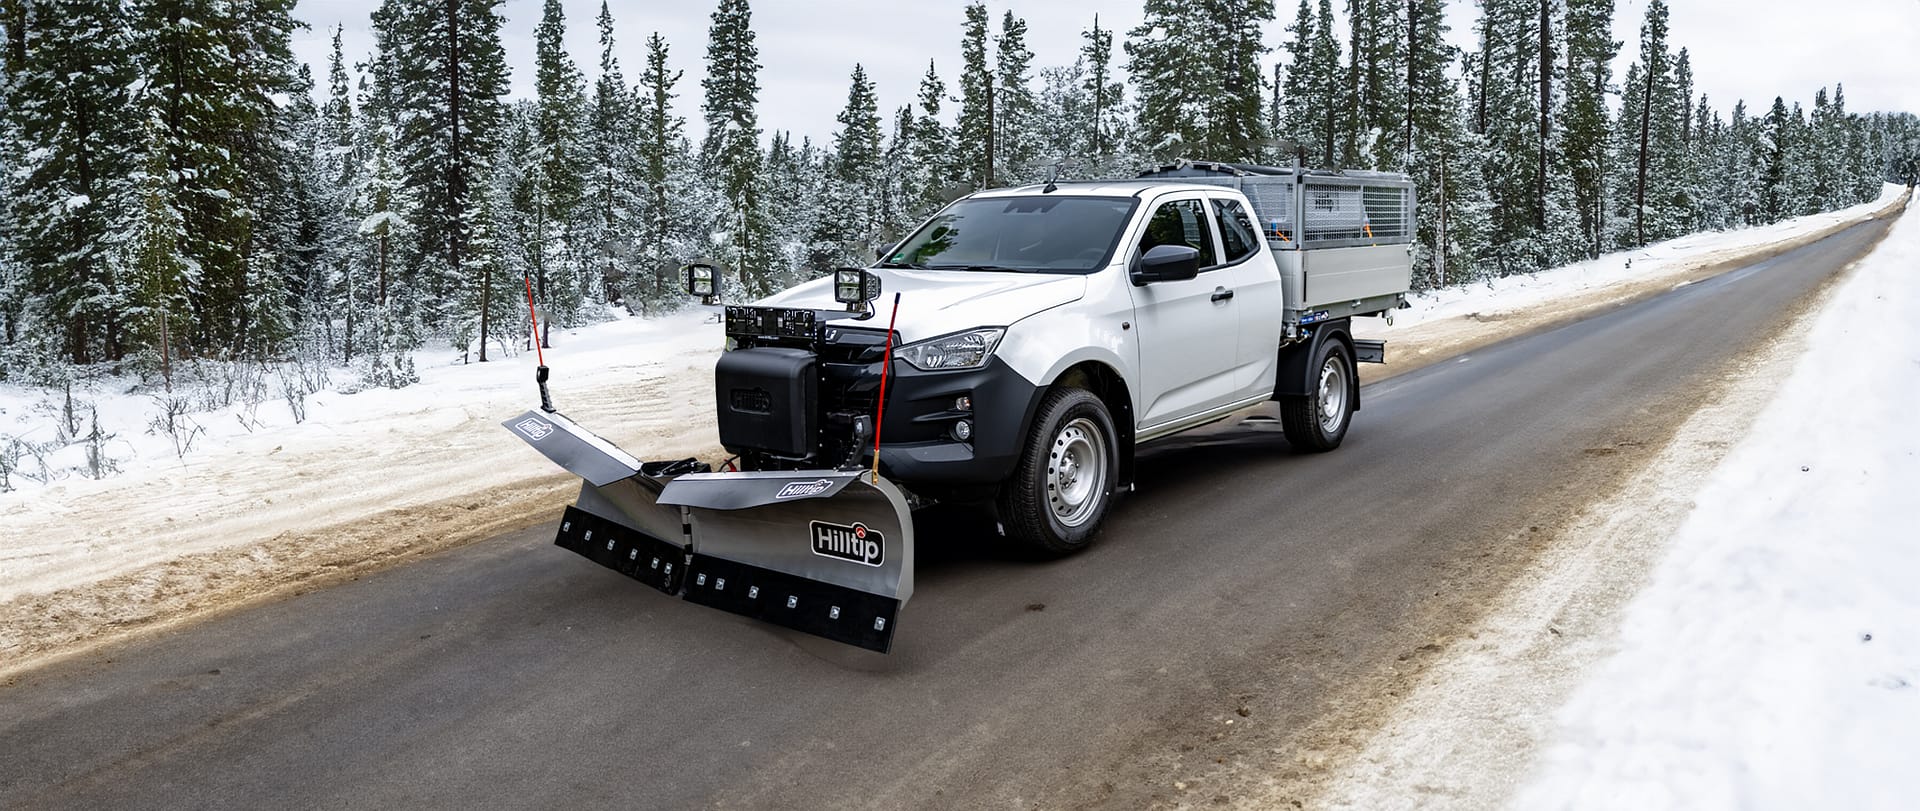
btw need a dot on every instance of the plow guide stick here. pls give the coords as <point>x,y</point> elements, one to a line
<point>827,552</point>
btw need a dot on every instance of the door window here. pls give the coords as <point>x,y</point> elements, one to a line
<point>1237,237</point>
<point>1181,222</point>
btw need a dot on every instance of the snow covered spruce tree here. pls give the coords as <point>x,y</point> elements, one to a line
<point>1443,157</point>
<point>71,200</point>
<point>612,196</point>
<point>1311,100</point>
<point>1514,81</point>
<point>1375,84</point>
<point>1106,99</point>
<point>1015,142</point>
<point>448,75</point>
<point>549,216</point>
<point>742,230</point>
<point>1198,82</point>
<point>973,135</point>
<point>676,207</point>
<point>843,231</point>
<point>1649,148</point>
<point>1584,123</point>
<point>212,71</point>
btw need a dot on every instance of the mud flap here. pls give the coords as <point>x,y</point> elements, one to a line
<point>826,552</point>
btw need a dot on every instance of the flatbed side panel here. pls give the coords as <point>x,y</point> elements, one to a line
<point>1333,276</point>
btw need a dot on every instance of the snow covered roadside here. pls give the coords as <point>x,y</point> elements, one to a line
<point>1739,675</point>
<point>1774,660</point>
<point>380,475</point>
<point>1447,322</point>
<point>366,478</point>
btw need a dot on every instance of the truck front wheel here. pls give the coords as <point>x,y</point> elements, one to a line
<point>1063,485</point>
<point>1317,421</point>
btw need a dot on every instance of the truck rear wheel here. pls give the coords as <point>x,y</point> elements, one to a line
<point>1316,422</point>
<point>1063,485</point>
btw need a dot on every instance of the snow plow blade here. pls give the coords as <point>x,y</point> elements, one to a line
<point>617,521</point>
<point>825,552</point>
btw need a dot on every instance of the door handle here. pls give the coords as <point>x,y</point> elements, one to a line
<point>1222,294</point>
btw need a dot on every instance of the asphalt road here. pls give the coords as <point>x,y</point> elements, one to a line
<point>1242,583</point>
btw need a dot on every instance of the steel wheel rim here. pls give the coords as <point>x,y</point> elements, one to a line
<point>1076,472</point>
<point>1333,394</point>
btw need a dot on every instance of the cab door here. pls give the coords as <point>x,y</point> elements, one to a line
<point>1188,330</point>
<point>1249,271</point>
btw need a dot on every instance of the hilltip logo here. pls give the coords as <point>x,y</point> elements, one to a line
<point>535,428</point>
<point>804,489</point>
<point>850,543</point>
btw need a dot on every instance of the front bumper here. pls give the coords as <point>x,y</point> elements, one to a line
<point>918,445</point>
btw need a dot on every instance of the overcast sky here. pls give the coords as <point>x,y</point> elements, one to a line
<point>1751,49</point>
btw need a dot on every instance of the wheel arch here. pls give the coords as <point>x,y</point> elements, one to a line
<point>1296,378</point>
<point>1107,384</point>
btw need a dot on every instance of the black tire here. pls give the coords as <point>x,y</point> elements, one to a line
<point>1317,422</point>
<point>1071,432</point>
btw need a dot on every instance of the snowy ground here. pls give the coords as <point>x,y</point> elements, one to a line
<point>1774,660</point>
<point>261,503</point>
<point>1740,676</point>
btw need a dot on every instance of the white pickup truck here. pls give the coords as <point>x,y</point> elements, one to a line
<point>1045,332</point>
<point>1012,352</point>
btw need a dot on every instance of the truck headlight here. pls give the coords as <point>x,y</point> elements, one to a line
<point>961,350</point>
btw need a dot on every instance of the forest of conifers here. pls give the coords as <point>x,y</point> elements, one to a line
<point>177,185</point>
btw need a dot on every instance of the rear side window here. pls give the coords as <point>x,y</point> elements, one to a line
<point>1237,236</point>
<point>1181,222</point>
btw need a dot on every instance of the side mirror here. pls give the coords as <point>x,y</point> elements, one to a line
<point>854,287</point>
<point>702,281</point>
<point>1165,263</point>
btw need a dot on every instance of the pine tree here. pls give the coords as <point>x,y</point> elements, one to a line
<point>1015,143</point>
<point>1065,121</point>
<point>1776,157</point>
<point>1170,85</point>
<point>69,198</point>
<point>559,172</point>
<point>1585,125</point>
<point>973,133</point>
<point>854,186</point>
<point>611,192</point>
<point>449,75</point>
<point>1443,156</point>
<point>933,150</point>
<point>1653,133</point>
<point>160,276</point>
<point>662,158</point>
<point>1375,82</point>
<point>732,148</point>
<point>1199,85</point>
<point>1314,97</point>
<point>1105,95</point>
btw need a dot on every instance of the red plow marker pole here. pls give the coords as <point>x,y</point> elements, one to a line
<point>886,369</point>
<point>539,374</point>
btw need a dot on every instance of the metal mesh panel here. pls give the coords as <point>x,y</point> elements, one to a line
<point>1272,199</point>
<point>1332,212</point>
<point>1387,212</point>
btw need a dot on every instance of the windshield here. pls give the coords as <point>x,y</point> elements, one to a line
<point>1050,234</point>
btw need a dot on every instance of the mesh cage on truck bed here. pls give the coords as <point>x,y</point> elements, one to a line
<point>1336,209</point>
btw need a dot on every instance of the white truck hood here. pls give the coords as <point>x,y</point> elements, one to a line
<point>940,302</point>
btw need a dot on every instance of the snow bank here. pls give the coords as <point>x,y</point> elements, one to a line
<point>253,474</point>
<point>1774,660</point>
<point>1625,268</point>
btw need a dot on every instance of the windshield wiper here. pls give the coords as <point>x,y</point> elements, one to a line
<point>988,268</point>
<point>901,265</point>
